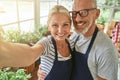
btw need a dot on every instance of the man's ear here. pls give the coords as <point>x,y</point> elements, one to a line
<point>97,13</point>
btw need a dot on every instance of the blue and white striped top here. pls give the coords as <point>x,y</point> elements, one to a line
<point>48,55</point>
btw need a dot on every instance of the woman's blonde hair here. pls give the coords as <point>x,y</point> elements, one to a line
<point>54,10</point>
<point>58,9</point>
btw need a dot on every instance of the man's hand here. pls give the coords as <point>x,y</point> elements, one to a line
<point>40,74</point>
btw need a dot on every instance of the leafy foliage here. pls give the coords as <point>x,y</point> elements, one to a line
<point>31,37</point>
<point>103,18</point>
<point>8,74</point>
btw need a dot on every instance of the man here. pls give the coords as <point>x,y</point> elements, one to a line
<point>96,58</point>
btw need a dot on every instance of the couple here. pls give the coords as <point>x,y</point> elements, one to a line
<point>88,54</point>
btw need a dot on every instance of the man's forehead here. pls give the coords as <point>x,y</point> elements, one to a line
<point>82,4</point>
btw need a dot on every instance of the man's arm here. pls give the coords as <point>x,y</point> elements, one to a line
<point>108,65</point>
<point>40,74</point>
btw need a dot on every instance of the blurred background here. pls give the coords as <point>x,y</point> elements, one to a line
<point>25,20</point>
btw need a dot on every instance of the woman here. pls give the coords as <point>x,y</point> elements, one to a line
<point>56,61</point>
<point>54,49</point>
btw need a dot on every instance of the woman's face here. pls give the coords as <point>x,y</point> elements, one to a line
<point>59,26</point>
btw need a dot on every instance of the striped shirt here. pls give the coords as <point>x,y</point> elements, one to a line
<point>116,33</point>
<point>48,55</point>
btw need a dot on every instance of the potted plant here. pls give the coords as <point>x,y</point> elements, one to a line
<point>9,74</point>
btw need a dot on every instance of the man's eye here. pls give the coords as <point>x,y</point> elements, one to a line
<point>83,12</point>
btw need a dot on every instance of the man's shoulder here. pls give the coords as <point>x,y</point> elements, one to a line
<point>101,36</point>
<point>104,42</point>
<point>73,35</point>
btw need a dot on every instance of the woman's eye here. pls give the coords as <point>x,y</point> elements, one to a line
<point>54,26</point>
<point>66,24</point>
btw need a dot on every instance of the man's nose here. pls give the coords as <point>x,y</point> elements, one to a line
<point>78,17</point>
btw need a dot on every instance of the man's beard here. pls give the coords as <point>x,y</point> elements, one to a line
<point>84,30</point>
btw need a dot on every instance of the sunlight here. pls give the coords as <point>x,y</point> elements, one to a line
<point>10,14</point>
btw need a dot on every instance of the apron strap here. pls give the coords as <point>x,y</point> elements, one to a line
<point>54,44</point>
<point>76,40</point>
<point>69,46</point>
<point>92,40</point>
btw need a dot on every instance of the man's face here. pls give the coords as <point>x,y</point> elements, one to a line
<point>85,16</point>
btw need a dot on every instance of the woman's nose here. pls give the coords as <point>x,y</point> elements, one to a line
<point>60,30</point>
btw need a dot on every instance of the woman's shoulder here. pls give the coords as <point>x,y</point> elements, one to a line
<point>45,39</point>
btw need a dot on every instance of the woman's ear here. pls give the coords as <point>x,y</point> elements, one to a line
<point>48,28</point>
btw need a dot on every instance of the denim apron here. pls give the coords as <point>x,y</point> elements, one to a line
<point>61,70</point>
<point>81,70</point>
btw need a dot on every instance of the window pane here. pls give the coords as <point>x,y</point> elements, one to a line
<point>26,9</point>
<point>17,12</point>
<point>44,10</point>
<point>27,26</point>
<point>9,13</point>
<point>9,27</point>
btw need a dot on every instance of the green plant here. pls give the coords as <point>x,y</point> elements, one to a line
<point>8,74</point>
<point>104,15</point>
<point>30,37</point>
<point>101,20</point>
